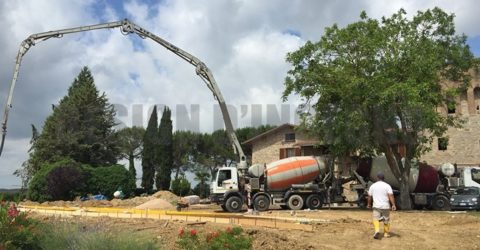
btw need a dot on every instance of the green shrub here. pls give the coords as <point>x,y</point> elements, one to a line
<point>17,231</point>
<point>107,180</point>
<point>61,180</point>
<point>202,190</point>
<point>181,186</point>
<point>232,239</point>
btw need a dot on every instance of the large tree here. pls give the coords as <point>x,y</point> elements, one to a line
<point>375,84</point>
<point>165,151</point>
<point>131,145</point>
<point>149,153</point>
<point>80,128</point>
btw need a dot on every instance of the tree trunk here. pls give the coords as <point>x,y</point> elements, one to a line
<point>405,200</point>
<point>177,171</point>
<point>131,166</point>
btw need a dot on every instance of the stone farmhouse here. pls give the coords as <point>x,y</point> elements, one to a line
<point>463,147</point>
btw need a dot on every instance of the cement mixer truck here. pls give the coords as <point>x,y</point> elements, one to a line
<point>429,186</point>
<point>294,183</point>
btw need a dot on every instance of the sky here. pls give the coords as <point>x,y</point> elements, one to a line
<point>244,43</point>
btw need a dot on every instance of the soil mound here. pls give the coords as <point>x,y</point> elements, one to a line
<point>156,204</point>
<point>166,195</point>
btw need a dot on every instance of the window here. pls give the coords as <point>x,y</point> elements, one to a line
<point>475,175</point>
<point>290,137</point>
<point>442,143</point>
<point>451,109</point>
<point>290,152</point>
<point>223,175</point>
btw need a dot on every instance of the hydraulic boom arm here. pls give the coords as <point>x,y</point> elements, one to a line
<point>127,27</point>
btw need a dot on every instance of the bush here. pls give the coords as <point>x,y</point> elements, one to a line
<point>202,190</point>
<point>17,231</point>
<point>61,180</point>
<point>232,239</point>
<point>181,187</point>
<point>107,180</point>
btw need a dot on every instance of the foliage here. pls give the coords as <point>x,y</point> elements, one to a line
<point>107,180</point>
<point>25,173</point>
<point>181,186</point>
<point>149,154</point>
<point>165,151</point>
<point>185,150</point>
<point>62,180</point>
<point>229,239</point>
<point>202,189</point>
<point>17,230</point>
<point>131,146</point>
<point>62,235</point>
<point>80,128</point>
<point>376,84</point>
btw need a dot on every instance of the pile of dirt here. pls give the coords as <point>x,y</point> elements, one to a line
<point>166,195</point>
<point>156,204</point>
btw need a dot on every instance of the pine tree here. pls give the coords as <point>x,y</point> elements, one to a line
<point>165,151</point>
<point>131,146</point>
<point>150,150</point>
<point>80,128</point>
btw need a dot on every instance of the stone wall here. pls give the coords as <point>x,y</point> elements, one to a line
<point>463,143</point>
<point>267,149</point>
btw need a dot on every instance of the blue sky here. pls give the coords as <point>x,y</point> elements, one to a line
<point>243,42</point>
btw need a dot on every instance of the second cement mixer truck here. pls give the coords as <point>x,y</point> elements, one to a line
<point>294,183</point>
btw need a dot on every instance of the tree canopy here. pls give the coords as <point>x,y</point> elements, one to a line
<point>80,127</point>
<point>131,146</point>
<point>376,84</point>
<point>150,151</point>
<point>165,151</point>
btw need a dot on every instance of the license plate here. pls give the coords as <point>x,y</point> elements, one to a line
<point>463,204</point>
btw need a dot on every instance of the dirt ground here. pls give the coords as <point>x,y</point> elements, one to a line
<point>341,228</point>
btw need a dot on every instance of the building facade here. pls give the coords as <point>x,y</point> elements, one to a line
<point>460,145</point>
<point>282,142</point>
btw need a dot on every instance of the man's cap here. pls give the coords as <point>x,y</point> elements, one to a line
<point>380,175</point>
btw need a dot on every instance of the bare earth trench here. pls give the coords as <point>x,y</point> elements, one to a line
<point>345,228</point>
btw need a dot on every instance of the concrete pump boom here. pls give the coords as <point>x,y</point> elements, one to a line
<point>128,27</point>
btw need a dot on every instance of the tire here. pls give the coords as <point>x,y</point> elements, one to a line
<point>224,208</point>
<point>295,202</point>
<point>261,203</point>
<point>440,202</point>
<point>234,204</point>
<point>314,202</point>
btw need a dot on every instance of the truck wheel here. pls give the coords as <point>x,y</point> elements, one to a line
<point>314,201</point>
<point>295,202</point>
<point>261,203</point>
<point>234,204</point>
<point>441,203</point>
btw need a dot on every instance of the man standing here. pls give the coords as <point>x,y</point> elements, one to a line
<point>382,196</point>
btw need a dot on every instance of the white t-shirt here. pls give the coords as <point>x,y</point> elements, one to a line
<point>379,192</point>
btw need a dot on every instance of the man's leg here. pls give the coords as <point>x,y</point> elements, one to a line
<point>386,223</point>
<point>376,223</point>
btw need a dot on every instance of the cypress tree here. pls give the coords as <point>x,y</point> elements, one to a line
<point>149,154</point>
<point>165,151</point>
<point>80,127</point>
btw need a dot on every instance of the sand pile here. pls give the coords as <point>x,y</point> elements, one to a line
<point>156,204</point>
<point>166,195</point>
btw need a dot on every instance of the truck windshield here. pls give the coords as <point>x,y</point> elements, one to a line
<point>476,175</point>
